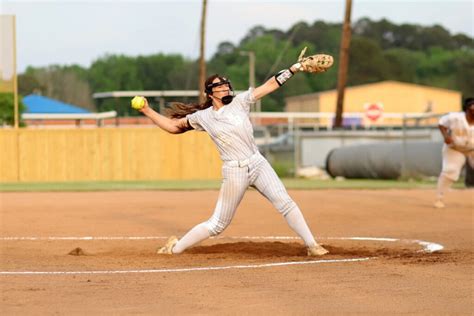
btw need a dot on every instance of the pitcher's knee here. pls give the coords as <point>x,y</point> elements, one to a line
<point>285,206</point>
<point>216,226</point>
<point>451,173</point>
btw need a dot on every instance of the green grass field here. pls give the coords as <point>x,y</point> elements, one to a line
<point>290,183</point>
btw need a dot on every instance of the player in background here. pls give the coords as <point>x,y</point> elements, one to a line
<point>457,129</point>
<point>226,119</point>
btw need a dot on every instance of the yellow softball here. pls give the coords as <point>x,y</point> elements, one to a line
<point>138,102</point>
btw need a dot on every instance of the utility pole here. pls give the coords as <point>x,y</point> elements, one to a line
<point>343,64</point>
<point>251,66</point>
<point>202,60</point>
<point>251,55</point>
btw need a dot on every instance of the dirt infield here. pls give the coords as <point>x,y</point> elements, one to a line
<point>241,273</point>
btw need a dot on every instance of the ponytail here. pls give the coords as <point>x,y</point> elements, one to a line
<point>180,110</point>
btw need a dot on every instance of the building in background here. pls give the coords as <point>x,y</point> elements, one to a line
<point>40,104</point>
<point>41,111</point>
<point>371,103</point>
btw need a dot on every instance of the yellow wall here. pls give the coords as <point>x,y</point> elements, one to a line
<point>8,155</point>
<point>304,103</point>
<point>106,154</point>
<point>395,97</point>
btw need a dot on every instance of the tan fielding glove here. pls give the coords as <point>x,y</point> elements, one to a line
<point>315,63</point>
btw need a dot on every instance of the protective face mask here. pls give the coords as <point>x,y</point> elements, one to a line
<point>227,99</point>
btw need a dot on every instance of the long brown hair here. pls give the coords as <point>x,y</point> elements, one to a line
<point>179,110</point>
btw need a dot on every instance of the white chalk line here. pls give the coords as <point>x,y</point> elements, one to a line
<point>253,266</point>
<point>427,247</point>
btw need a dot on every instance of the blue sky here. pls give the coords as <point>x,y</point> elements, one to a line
<point>78,32</point>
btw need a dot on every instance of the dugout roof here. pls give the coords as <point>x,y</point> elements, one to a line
<point>40,104</point>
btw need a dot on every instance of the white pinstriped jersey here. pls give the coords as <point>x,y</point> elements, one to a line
<point>461,132</point>
<point>229,127</point>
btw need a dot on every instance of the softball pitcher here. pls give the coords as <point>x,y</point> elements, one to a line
<point>458,133</point>
<point>226,119</point>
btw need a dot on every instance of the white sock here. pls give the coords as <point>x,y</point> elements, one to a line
<point>194,236</point>
<point>296,221</point>
<point>444,184</point>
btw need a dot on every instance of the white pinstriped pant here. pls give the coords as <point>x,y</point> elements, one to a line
<point>255,172</point>
<point>453,162</point>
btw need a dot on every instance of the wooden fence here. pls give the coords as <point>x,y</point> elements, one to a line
<point>103,154</point>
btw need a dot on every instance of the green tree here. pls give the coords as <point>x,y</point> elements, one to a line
<point>465,73</point>
<point>115,72</point>
<point>402,64</point>
<point>28,83</point>
<point>366,62</point>
<point>438,68</point>
<point>380,50</point>
<point>409,36</point>
<point>66,83</point>
<point>7,112</point>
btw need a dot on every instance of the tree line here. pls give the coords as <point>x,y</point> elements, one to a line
<point>380,50</point>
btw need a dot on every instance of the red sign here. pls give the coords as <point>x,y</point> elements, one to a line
<point>373,111</point>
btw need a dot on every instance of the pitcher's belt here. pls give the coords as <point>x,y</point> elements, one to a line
<point>241,163</point>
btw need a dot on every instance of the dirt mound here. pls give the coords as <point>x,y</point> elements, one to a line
<point>337,250</point>
<point>77,252</point>
<point>252,249</point>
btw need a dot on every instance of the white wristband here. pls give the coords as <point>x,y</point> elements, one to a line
<point>283,76</point>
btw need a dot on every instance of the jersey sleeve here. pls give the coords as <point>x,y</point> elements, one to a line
<point>445,120</point>
<point>246,99</point>
<point>194,120</point>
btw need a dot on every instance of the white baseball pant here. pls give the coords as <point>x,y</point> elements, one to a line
<point>453,161</point>
<point>237,177</point>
